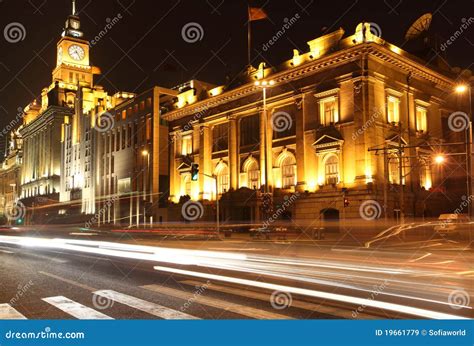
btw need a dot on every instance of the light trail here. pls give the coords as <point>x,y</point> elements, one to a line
<point>352,276</point>
<point>317,294</point>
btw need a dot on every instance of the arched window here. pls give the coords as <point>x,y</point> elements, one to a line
<point>253,174</point>
<point>222,173</point>
<point>394,173</point>
<point>331,166</point>
<point>288,171</point>
<point>186,185</point>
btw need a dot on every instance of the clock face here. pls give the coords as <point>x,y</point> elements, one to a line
<point>76,52</point>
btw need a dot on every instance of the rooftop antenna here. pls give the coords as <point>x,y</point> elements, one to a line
<point>420,26</point>
<point>73,7</point>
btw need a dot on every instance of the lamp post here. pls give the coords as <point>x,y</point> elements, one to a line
<point>145,182</point>
<point>264,84</point>
<point>462,89</point>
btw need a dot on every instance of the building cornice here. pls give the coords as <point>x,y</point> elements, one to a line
<point>337,58</point>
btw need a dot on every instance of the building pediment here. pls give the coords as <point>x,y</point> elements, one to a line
<point>394,140</point>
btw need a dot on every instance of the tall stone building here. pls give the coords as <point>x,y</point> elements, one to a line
<point>348,127</point>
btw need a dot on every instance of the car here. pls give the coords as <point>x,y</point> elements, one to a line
<point>448,224</point>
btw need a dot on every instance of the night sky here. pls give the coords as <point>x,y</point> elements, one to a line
<point>146,47</point>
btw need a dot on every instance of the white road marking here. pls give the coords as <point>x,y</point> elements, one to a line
<point>217,303</point>
<point>75,309</point>
<point>7,312</point>
<point>316,294</point>
<point>143,305</point>
<point>6,251</point>
<point>266,298</point>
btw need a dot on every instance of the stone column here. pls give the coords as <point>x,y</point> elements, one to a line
<point>233,153</point>
<point>205,163</point>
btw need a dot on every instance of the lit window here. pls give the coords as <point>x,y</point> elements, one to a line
<point>253,175</point>
<point>222,179</point>
<point>148,129</point>
<point>332,170</point>
<point>186,145</point>
<point>186,190</point>
<point>421,119</point>
<point>328,111</point>
<point>288,172</point>
<point>393,109</point>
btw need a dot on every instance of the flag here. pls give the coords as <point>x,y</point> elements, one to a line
<point>256,13</point>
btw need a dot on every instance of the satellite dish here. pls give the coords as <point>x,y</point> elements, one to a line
<point>420,25</point>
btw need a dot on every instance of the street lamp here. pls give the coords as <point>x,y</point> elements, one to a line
<point>264,84</point>
<point>462,89</point>
<point>145,181</point>
<point>439,159</point>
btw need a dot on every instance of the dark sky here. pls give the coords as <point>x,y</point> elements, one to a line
<point>145,46</point>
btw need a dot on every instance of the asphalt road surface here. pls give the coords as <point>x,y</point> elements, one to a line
<point>93,277</point>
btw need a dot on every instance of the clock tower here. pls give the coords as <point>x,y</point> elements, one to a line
<point>72,62</point>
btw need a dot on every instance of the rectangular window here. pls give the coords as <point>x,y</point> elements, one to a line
<point>124,114</point>
<point>117,141</point>
<point>186,145</point>
<point>142,105</point>
<point>148,129</point>
<point>393,110</point>
<point>421,119</point>
<point>328,111</point>
<point>220,137</point>
<point>250,130</point>
<point>124,137</point>
<point>148,102</point>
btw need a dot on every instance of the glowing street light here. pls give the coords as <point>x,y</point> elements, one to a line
<point>460,89</point>
<point>145,152</point>
<point>439,159</point>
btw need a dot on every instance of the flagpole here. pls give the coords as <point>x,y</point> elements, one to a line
<point>249,34</point>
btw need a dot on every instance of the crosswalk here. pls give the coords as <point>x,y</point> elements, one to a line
<point>102,303</point>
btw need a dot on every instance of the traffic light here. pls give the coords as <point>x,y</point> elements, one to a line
<point>194,172</point>
<point>346,202</point>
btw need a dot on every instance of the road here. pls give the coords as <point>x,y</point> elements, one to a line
<point>89,276</point>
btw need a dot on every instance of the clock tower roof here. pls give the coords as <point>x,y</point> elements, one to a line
<point>73,24</point>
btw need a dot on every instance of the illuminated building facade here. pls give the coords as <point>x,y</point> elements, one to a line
<point>10,171</point>
<point>133,160</point>
<point>328,111</point>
